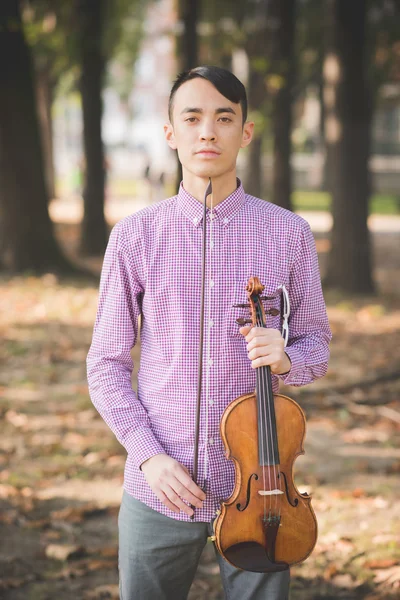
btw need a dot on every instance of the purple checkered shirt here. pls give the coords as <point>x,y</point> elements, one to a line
<point>152,268</point>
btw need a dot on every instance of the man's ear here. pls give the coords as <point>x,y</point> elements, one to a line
<point>170,136</point>
<point>247,135</point>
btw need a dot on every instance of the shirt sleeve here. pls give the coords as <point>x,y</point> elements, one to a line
<point>109,361</point>
<point>309,331</point>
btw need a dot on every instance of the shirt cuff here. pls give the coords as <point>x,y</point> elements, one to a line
<point>296,372</point>
<point>142,445</point>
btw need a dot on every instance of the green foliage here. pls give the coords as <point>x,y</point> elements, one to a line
<point>123,37</point>
<point>52,30</point>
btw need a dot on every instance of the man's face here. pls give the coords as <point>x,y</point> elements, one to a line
<point>203,119</point>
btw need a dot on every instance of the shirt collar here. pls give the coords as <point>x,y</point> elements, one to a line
<point>224,211</point>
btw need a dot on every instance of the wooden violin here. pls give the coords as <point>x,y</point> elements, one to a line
<point>267,524</point>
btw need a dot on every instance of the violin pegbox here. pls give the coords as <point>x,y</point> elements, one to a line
<point>255,288</point>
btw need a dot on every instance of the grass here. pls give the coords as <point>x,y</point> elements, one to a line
<point>303,200</point>
<point>381,204</point>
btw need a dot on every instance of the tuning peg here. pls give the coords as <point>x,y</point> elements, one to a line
<point>272,311</point>
<point>243,321</point>
<point>241,305</point>
<point>267,297</point>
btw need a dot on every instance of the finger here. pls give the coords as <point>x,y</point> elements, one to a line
<point>275,347</point>
<point>177,501</point>
<point>263,361</point>
<point>186,494</point>
<point>258,351</point>
<point>262,336</point>
<point>163,498</point>
<point>184,478</point>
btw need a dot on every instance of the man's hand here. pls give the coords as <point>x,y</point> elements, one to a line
<point>266,347</point>
<point>171,483</point>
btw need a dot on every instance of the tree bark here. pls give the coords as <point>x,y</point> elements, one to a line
<point>257,49</point>
<point>94,227</point>
<point>27,238</point>
<point>283,11</point>
<point>348,114</point>
<point>44,94</point>
<point>187,50</point>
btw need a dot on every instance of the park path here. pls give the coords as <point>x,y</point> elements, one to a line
<point>70,210</point>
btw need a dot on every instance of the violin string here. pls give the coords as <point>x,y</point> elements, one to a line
<point>269,435</point>
<point>207,400</point>
<point>264,435</point>
<point>260,395</point>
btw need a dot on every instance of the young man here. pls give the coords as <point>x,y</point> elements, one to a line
<point>152,268</point>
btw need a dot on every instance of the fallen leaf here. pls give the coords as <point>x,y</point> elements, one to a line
<point>380,563</point>
<point>390,576</point>
<point>64,551</point>
<point>103,592</point>
<point>330,572</point>
<point>76,514</point>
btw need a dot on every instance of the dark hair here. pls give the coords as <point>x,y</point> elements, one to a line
<point>223,80</point>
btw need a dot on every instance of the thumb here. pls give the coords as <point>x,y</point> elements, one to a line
<point>245,330</point>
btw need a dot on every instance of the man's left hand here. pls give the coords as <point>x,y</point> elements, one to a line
<point>266,347</point>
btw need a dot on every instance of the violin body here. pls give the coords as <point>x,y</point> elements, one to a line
<point>267,524</point>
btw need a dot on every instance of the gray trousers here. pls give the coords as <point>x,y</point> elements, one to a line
<point>158,558</point>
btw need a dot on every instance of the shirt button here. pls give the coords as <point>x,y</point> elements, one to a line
<point>195,220</point>
<point>212,283</point>
<point>211,362</point>
<point>211,323</point>
<point>226,220</point>
<point>211,441</point>
<point>211,245</point>
<point>211,402</point>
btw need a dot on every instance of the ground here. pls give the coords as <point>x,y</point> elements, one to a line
<point>61,468</point>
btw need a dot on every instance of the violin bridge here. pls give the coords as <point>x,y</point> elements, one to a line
<point>270,492</point>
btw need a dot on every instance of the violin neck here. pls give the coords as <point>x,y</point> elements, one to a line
<point>268,452</point>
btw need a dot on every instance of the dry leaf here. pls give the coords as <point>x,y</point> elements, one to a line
<point>380,563</point>
<point>330,572</point>
<point>103,592</point>
<point>64,551</point>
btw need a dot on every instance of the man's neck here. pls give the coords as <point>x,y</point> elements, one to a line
<point>222,187</point>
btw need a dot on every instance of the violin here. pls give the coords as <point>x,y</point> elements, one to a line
<point>267,524</point>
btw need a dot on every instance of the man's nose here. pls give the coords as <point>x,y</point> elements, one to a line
<point>208,132</point>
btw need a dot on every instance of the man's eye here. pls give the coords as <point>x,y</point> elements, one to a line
<point>191,119</point>
<point>226,119</point>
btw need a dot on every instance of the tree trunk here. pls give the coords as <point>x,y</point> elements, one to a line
<point>27,238</point>
<point>187,50</point>
<point>94,227</point>
<point>283,12</point>
<point>257,49</point>
<point>348,114</point>
<point>44,94</point>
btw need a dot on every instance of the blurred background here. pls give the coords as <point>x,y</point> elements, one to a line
<point>84,89</point>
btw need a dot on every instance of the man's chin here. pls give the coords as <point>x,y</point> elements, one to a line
<point>207,170</point>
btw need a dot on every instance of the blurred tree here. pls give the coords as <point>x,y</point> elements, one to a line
<point>71,44</point>
<point>281,15</point>
<point>269,43</point>
<point>348,114</point>
<point>90,26</point>
<point>186,49</point>
<point>362,54</point>
<point>44,26</point>
<point>103,30</point>
<point>256,43</point>
<point>27,238</point>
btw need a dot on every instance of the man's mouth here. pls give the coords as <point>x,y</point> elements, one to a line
<point>208,153</point>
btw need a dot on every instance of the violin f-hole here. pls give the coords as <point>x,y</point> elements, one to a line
<point>238,505</point>
<point>296,500</point>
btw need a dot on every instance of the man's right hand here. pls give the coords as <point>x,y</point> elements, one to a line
<point>171,483</point>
